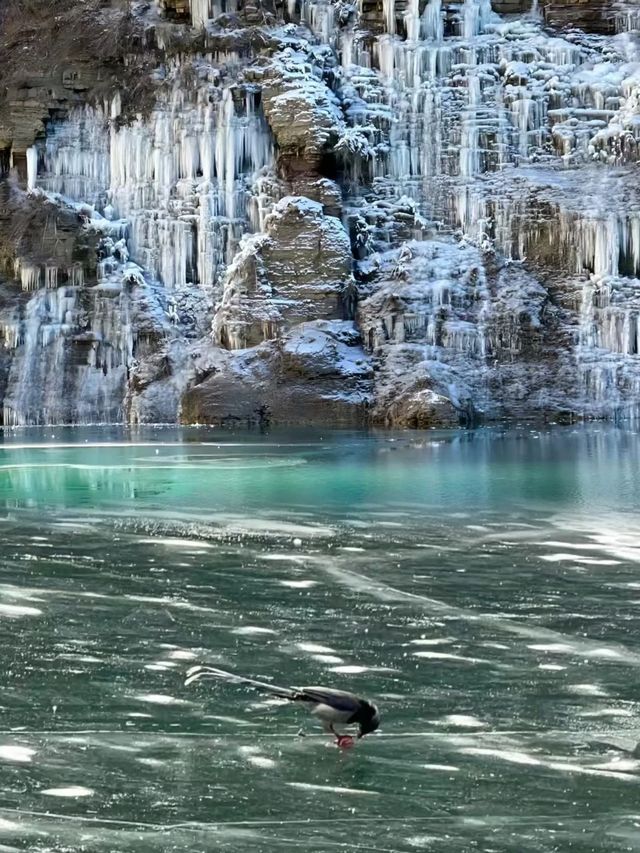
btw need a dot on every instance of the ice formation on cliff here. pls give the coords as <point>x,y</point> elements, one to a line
<point>487,172</point>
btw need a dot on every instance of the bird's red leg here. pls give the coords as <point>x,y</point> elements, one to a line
<point>341,740</point>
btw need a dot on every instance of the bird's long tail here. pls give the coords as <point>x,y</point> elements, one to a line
<point>198,672</point>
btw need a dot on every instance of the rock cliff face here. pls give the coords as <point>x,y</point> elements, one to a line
<point>399,212</point>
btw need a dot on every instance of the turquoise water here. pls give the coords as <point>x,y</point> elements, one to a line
<point>483,587</point>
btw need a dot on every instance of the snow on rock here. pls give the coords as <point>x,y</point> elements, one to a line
<point>303,113</point>
<point>322,376</point>
<point>458,338</point>
<point>307,248</point>
<point>299,270</point>
<point>325,348</point>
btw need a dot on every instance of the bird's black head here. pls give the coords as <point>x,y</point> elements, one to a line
<point>369,719</point>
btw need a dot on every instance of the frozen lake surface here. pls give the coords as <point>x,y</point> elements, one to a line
<point>483,587</point>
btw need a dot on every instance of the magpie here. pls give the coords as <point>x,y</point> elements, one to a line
<point>331,707</point>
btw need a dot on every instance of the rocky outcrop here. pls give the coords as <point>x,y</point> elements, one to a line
<point>303,113</point>
<point>315,374</point>
<point>297,271</point>
<point>43,241</point>
<point>592,16</point>
<point>176,10</point>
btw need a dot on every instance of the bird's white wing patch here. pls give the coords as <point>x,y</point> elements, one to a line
<point>330,715</point>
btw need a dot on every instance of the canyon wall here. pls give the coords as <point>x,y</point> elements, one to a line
<point>400,213</point>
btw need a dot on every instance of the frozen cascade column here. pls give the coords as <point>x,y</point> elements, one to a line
<point>228,135</point>
<point>433,21</point>
<point>521,109</point>
<point>389,14</point>
<point>200,13</point>
<point>32,167</point>
<point>320,17</point>
<point>606,242</point>
<point>426,27</point>
<point>37,393</point>
<point>469,143</point>
<point>74,158</point>
<point>602,243</point>
<point>476,14</point>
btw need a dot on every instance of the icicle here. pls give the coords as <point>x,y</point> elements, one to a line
<point>346,53</point>
<point>386,55</point>
<point>75,274</point>
<point>469,144</point>
<point>319,15</point>
<point>30,277</point>
<point>116,106</point>
<point>10,335</point>
<point>226,151</point>
<point>51,276</point>
<point>32,167</point>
